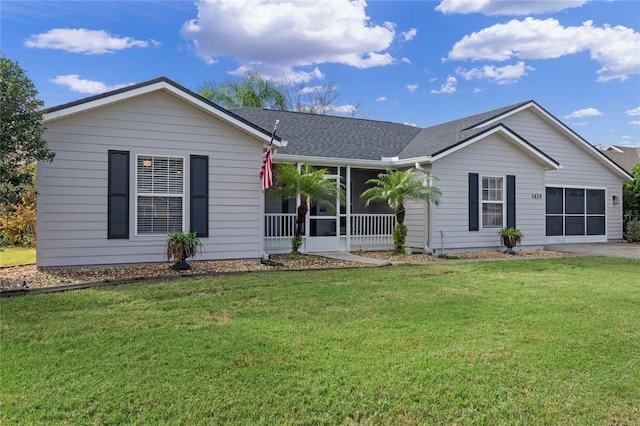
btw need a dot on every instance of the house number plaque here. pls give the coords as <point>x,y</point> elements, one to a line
<point>536,196</point>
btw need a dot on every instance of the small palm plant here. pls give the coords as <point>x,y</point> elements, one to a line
<point>396,188</point>
<point>510,238</point>
<point>180,247</point>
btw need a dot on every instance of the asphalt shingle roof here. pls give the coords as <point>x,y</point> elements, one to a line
<point>331,136</point>
<point>353,138</point>
<point>626,157</point>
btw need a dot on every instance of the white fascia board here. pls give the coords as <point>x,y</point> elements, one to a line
<point>547,162</point>
<point>161,85</point>
<point>331,161</point>
<point>567,131</point>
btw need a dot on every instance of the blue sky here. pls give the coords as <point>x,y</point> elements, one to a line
<point>414,62</point>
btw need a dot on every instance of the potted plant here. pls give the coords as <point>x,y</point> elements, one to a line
<point>180,247</point>
<point>510,238</point>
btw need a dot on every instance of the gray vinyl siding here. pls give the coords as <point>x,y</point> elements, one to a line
<point>415,220</point>
<point>491,156</point>
<point>72,200</point>
<point>579,167</point>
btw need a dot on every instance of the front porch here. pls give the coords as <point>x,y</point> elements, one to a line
<point>367,231</point>
<point>349,227</point>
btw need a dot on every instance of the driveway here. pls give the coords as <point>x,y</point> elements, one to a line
<point>627,250</point>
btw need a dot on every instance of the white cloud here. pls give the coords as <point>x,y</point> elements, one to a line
<point>448,87</point>
<point>634,122</point>
<point>500,75</point>
<point>478,90</point>
<point>80,40</point>
<point>409,35</point>
<point>615,48</point>
<point>381,99</point>
<point>585,112</point>
<point>412,87</point>
<point>406,123</point>
<point>344,109</point>
<point>634,111</point>
<point>502,7</point>
<point>76,84</point>
<point>405,60</point>
<point>289,33</point>
<point>280,73</point>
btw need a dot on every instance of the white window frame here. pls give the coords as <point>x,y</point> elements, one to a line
<point>182,196</point>
<point>484,201</point>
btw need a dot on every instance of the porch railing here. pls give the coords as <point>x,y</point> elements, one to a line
<point>372,230</point>
<point>367,230</point>
<point>279,229</point>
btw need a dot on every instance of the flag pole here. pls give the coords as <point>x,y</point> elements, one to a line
<point>273,134</point>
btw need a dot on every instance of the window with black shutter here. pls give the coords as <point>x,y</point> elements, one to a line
<point>118,195</point>
<point>199,206</point>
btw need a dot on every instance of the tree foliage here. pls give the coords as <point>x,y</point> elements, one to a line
<point>21,114</point>
<point>254,90</point>
<point>310,185</point>
<point>396,188</point>
<point>631,192</point>
<point>250,90</point>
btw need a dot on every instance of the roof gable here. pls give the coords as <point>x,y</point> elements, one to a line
<point>160,84</point>
<point>527,148</point>
<point>563,129</point>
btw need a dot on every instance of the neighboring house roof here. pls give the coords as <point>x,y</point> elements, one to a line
<point>625,156</point>
<point>168,86</point>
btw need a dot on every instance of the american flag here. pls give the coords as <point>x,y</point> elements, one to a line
<point>267,163</point>
<point>267,175</point>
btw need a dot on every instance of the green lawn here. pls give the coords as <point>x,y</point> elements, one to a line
<point>17,256</point>
<point>552,341</point>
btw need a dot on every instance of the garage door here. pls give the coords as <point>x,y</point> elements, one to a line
<point>575,215</point>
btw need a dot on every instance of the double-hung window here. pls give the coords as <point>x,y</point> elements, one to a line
<point>159,194</point>
<point>492,202</point>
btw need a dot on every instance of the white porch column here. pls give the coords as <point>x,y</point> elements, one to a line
<point>348,206</point>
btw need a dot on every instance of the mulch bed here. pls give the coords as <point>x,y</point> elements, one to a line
<point>29,276</point>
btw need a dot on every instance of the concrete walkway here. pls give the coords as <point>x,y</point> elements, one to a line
<point>625,250</point>
<point>345,255</point>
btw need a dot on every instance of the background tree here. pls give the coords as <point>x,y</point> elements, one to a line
<point>631,205</point>
<point>311,186</point>
<point>250,90</point>
<point>21,146</point>
<point>395,188</point>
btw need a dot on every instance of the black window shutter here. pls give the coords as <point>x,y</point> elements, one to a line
<point>199,183</point>
<point>511,201</point>
<point>474,210</point>
<point>118,195</point>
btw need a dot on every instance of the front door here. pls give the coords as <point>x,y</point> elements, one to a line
<point>323,226</point>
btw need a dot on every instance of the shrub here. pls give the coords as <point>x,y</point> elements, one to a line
<point>296,243</point>
<point>633,230</point>
<point>18,226</point>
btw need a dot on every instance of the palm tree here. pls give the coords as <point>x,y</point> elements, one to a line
<point>395,188</point>
<point>250,90</point>
<point>311,186</point>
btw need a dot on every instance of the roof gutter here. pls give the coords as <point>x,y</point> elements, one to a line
<point>384,162</point>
